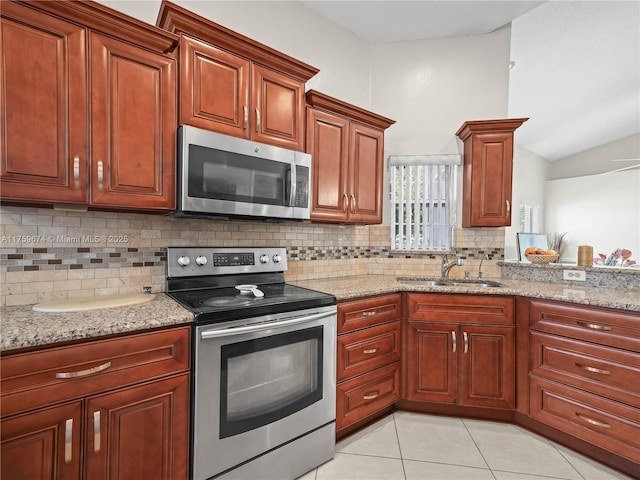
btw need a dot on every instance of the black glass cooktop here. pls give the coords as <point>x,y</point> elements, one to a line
<point>228,303</point>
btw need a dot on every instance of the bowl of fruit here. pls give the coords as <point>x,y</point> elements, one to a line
<point>541,256</point>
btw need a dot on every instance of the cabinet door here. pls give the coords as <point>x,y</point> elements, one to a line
<point>133,126</point>
<point>328,143</point>
<point>42,444</point>
<point>432,365</point>
<point>278,108</point>
<point>487,376</point>
<point>365,174</point>
<point>488,172</point>
<point>43,107</point>
<point>139,432</point>
<point>214,89</point>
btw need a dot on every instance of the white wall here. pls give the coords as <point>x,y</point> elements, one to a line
<point>598,159</point>
<point>599,210</point>
<point>529,175</point>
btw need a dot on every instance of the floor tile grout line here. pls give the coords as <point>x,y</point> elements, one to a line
<point>476,444</point>
<point>395,427</point>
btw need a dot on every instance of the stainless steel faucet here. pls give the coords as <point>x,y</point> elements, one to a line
<point>486,257</point>
<point>446,266</point>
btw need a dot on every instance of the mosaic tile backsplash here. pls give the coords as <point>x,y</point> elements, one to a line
<point>50,254</point>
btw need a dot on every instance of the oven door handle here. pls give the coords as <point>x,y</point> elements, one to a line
<point>280,323</point>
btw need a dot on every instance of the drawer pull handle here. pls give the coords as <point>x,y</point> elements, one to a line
<point>84,373</point>
<point>245,120</point>
<point>594,326</point>
<point>466,342</point>
<point>370,313</point>
<point>68,440</point>
<point>592,421</point>
<point>96,431</point>
<point>454,341</point>
<point>369,351</point>
<point>593,369</point>
<point>371,396</point>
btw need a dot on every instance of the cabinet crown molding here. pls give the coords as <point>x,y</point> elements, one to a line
<point>320,100</point>
<point>179,20</point>
<point>106,20</point>
<point>489,126</point>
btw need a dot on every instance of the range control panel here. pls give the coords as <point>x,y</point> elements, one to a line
<point>198,261</point>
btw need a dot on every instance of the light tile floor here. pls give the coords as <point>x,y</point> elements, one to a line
<point>412,446</point>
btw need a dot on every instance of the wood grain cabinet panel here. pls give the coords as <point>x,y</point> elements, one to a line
<point>584,376</point>
<point>610,425</point>
<point>460,349</point>
<point>363,396</point>
<point>71,69</point>
<point>487,171</point>
<point>133,126</point>
<point>115,408</point>
<point>233,85</point>
<point>43,444</point>
<point>368,358</point>
<point>347,145</point>
<point>44,89</point>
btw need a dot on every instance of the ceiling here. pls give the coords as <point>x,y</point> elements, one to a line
<point>577,63</point>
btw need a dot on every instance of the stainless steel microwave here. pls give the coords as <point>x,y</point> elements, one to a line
<point>221,175</point>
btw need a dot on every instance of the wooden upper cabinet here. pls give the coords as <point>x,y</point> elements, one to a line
<point>44,94</point>
<point>488,171</point>
<point>133,126</point>
<point>347,146</point>
<point>50,50</point>
<point>234,85</point>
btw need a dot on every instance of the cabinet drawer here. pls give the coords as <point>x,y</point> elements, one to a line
<point>615,328</point>
<point>364,395</point>
<point>359,314</point>
<point>367,349</point>
<point>609,425</point>
<point>460,308</point>
<point>45,377</point>
<point>607,371</point>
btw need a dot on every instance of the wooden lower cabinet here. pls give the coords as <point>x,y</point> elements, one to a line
<point>607,424</point>
<point>110,420</point>
<point>43,444</point>
<point>584,378</point>
<point>463,362</point>
<point>368,358</point>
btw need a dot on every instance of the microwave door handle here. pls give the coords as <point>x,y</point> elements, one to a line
<point>293,183</point>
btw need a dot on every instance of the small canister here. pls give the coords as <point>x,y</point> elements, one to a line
<point>585,256</point>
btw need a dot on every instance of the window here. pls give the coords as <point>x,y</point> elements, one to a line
<point>529,218</point>
<point>423,201</point>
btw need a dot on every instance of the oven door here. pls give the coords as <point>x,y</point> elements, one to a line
<point>260,384</point>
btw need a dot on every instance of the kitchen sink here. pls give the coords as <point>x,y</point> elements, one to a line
<point>445,282</point>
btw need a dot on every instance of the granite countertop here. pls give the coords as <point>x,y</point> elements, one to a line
<point>21,327</point>
<point>345,288</point>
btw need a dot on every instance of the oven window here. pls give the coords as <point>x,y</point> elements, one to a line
<point>269,378</point>
<point>221,175</point>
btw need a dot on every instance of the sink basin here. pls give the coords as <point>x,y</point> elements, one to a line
<point>445,282</point>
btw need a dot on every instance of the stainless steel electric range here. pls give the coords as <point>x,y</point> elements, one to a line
<point>264,382</point>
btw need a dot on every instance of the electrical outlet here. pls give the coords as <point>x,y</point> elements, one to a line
<point>146,289</point>
<point>569,292</point>
<point>576,275</point>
